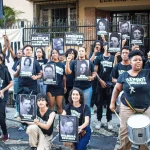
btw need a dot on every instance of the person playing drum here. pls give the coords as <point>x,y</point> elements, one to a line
<point>135,83</point>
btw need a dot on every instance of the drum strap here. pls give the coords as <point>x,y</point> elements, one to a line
<point>135,111</point>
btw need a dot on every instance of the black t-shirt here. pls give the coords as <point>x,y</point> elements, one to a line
<point>81,84</point>
<point>69,78</point>
<point>27,81</point>
<point>119,69</point>
<point>81,112</point>
<point>42,62</point>
<point>147,65</point>
<point>5,79</point>
<point>136,89</point>
<point>60,72</point>
<point>44,119</point>
<point>97,54</point>
<point>14,67</point>
<point>107,63</point>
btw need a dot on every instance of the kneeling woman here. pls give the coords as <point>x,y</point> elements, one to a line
<point>40,131</point>
<point>76,107</point>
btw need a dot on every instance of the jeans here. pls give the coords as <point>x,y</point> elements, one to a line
<point>87,96</point>
<point>41,87</point>
<point>3,116</point>
<point>15,86</point>
<point>94,93</point>
<point>82,144</point>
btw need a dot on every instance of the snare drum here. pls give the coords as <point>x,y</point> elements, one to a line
<point>139,129</point>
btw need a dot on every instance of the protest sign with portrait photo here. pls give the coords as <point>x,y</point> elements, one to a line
<point>68,128</point>
<point>26,69</point>
<point>137,34</point>
<point>82,70</point>
<point>102,26</point>
<point>58,44</point>
<point>74,39</point>
<point>114,42</point>
<point>49,74</point>
<point>27,107</point>
<point>125,29</point>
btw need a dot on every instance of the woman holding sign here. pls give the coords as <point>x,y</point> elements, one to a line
<point>56,92</point>
<point>76,107</point>
<point>28,85</point>
<point>84,82</point>
<point>40,56</point>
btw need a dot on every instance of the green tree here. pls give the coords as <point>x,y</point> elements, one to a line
<point>10,17</point>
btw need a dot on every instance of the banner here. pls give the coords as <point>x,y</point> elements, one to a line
<point>15,37</point>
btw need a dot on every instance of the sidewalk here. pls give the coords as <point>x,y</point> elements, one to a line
<point>102,139</point>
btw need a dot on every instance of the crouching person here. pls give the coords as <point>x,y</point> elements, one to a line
<point>76,107</point>
<point>40,131</point>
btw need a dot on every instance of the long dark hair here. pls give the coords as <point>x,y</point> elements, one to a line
<point>43,53</point>
<point>81,101</point>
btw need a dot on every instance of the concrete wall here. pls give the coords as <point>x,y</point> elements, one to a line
<point>21,5</point>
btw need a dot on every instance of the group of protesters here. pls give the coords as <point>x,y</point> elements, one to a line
<point>79,96</point>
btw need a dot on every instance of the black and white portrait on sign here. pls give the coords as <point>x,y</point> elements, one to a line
<point>102,26</point>
<point>125,29</point>
<point>68,128</point>
<point>114,42</point>
<point>137,34</point>
<point>26,69</point>
<point>58,44</point>
<point>82,70</point>
<point>49,74</point>
<point>27,107</point>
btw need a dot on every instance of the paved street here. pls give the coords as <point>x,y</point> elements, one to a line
<point>102,139</point>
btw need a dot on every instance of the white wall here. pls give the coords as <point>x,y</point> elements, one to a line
<point>21,5</point>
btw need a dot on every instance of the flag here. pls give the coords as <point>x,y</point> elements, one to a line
<point>1,9</point>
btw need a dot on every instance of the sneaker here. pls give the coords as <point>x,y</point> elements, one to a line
<point>5,138</point>
<point>109,125</point>
<point>92,111</point>
<point>22,128</point>
<point>98,125</point>
<point>16,115</point>
<point>91,129</point>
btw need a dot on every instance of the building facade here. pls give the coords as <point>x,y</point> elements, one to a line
<point>21,5</point>
<point>84,13</point>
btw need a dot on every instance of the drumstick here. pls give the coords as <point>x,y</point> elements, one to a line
<point>117,115</point>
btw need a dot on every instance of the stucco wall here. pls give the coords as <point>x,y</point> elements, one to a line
<point>21,5</point>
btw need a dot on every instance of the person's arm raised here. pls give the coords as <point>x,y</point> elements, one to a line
<point>67,68</point>
<point>116,58</point>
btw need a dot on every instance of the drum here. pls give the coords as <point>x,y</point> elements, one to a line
<point>139,129</point>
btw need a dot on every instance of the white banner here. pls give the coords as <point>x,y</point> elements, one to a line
<point>15,37</point>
